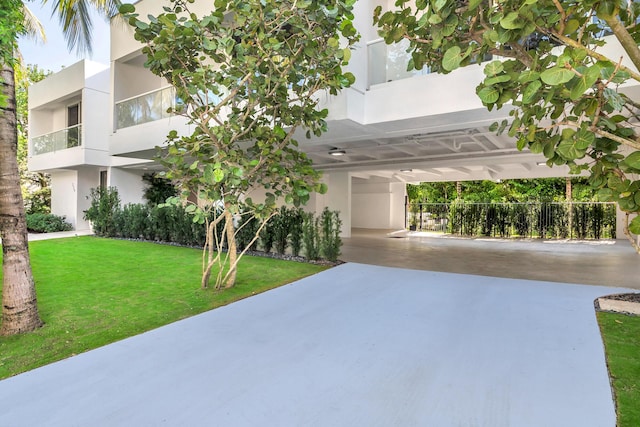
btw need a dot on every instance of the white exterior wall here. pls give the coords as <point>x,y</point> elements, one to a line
<point>70,194</point>
<point>378,205</point>
<point>64,197</point>
<point>129,183</point>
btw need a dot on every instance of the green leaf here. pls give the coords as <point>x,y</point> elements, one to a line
<point>584,139</point>
<point>126,8</point>
<point>531,91</point>
<point>585,82</point>
<point>634,225</point>
<point>569,150</point>
<point>218,175</point>
<point>503,78</point>
<point>439,4</point>
<point>633,160</point>
<point>493,68</point>
<point>452,58</point>
<point>512,21</point>
<point>489,95</point>
<point>614,99</point>
<point>473,4</point>
<point>556,76</point>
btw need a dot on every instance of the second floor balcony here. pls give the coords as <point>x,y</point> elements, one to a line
<point>55,141</point>
<point>144,108</point>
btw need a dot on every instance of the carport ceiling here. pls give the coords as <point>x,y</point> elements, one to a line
<point>463,154</point>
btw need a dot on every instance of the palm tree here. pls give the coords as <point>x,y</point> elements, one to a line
<point>19,304</point>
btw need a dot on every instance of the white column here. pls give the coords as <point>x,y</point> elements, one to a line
<point>398,193</point>
<point>338,198</point>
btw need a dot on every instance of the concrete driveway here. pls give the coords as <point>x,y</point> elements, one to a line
<point>357,345</point>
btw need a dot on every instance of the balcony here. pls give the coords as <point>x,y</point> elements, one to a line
<point>145,108</point>
<point>56,141</point>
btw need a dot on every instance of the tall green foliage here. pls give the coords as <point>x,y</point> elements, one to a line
<point>569,100</point>
<point>246,73</point>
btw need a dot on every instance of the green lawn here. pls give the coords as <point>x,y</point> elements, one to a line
<point>621,335</point>
<point>94,291</point>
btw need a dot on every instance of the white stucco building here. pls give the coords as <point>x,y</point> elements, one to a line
<point>97,125</point>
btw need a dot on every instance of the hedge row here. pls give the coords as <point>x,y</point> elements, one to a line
<point>47,223</point>
<point>289,231</point>
<point>550,220</point>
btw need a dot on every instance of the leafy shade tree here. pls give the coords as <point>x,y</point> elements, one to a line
<point>568,98</point>
<point>19,304</point>
<point>509,190</point>
<point>246,75</point>
<point>35,185</point>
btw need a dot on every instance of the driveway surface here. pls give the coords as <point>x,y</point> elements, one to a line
<point>357,345</point>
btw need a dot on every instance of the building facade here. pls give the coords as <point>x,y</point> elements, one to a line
<point>95,125</point>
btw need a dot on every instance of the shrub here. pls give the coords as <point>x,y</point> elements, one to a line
<point>296,220</point>
<point>158,189</point>
<point>311,236</point>
<point>267,237</point>
<point>105,205</point>
<point>281,228</point>
<point>330,241</point>
<point>47,223</point>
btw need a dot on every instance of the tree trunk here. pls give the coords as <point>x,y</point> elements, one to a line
<point>568,195</point>
<point>19,304</point>
<point>230,278</point>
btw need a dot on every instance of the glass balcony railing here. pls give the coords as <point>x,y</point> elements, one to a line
<point>59,140</point>
<point>145,108</point>
<point>389,62</point>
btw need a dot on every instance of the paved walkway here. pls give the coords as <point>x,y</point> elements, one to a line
<point>357,345</point>
<point>612,263</point>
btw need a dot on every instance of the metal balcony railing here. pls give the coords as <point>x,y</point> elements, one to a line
<point>145,108</point>
<point>55,141</point>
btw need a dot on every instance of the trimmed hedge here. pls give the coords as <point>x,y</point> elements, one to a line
<point>291,230</point>
<point>47,223</point>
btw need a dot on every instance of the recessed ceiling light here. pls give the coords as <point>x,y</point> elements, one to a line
<point>406,170</point>
<point>541,163</point>
<point>337,152</point>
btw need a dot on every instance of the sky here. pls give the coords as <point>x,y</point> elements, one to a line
<point>54,54</point>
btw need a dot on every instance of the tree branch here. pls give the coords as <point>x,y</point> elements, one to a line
<point>628,43</point>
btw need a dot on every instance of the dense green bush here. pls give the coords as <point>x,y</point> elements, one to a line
<point>290,229</point>
<point>105,206</point>
<point>47,223</point>
<point>330,241</point>
<point>281,229</point>
<point>544,220</point>
<point>295,224</point>
<point>311,236</point>
<point>158,189</point>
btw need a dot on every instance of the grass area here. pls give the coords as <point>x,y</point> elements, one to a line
<point>94,291</point>
<point>621,335</point>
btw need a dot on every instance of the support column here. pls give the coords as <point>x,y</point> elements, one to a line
<point>338,198</point>
<point>398,193</point>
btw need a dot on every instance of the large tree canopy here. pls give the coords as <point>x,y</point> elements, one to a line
<point>568,99</point>
<point>247,75</point>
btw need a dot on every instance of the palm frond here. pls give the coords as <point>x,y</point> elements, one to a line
<point>75,19</point>
<point>32,25</point>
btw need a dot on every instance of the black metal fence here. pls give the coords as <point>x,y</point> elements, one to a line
<point>544,220</point>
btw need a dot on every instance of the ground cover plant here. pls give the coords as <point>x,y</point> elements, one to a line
<point>621,336</point>
<point>94,291</point>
